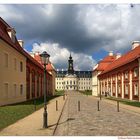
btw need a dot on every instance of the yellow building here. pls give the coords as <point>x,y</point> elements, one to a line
<point>73,80</point>
<point>12,66</point>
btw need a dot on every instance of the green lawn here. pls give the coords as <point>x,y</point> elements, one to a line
<point>124,101</point>
<point>59,92</point>
<point>86,92</point>
<point>11,113</point>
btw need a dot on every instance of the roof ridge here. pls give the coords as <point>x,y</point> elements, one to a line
<point>4,22</point>
<point>124,56</point>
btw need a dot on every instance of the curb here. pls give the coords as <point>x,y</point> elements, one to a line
<point>59,117</point>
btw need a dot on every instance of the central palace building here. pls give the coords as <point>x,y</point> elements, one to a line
<point>73,80</point>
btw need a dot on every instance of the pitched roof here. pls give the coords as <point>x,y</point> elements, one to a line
<point>104,63</point>
<point>85,74</point>
<point>50,66</point>
<point>4,36</point>
<point>124,59</point>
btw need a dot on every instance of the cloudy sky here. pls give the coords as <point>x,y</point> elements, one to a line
<point>87,31</point>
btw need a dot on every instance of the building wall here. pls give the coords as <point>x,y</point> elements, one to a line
<point>12,80</point>
<point>59,83</point>
<point>122,82</point>
<point>95,83</point>
<point>34,81</point>
<point>81,83</point>
<point>49,87</point>
<point>85,83</point>
<point>70,83</point>
<point>53,75</point>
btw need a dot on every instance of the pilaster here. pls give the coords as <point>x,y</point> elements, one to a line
<point>111,86</point>
<point>122,85</point>
<point>130,83</point>
<point>30,85</point>
<point>139,78</point>
<point>116,86</point>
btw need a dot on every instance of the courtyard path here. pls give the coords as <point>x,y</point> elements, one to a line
<point>32,124</point>
<point>91,122</point>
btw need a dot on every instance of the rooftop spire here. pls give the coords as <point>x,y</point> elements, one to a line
<point>70,56</point>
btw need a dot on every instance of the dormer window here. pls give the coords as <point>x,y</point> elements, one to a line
<point>12,34</point>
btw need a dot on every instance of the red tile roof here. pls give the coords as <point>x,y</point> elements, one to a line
<point>4,36</point>
<point>48,67</point>
<point>124,59</point>
<point>105,62</point>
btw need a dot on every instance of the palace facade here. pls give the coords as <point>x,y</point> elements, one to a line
<point>73,80</point>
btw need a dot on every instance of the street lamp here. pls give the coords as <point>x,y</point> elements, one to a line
<point>45,60</point>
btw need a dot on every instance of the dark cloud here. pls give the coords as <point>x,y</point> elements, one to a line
<point>80,28</point>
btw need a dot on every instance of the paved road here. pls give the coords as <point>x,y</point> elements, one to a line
<point>90,122</point>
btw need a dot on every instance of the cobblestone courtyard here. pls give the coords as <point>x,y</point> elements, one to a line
<point>90,122</point>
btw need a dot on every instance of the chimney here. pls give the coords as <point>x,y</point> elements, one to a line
<point>135,44</point>
<point>110,53</point>
<point>118,55</point>
<point>36,53</point>
<point>21,43</point>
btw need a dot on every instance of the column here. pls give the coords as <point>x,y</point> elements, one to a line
<point>98,87</point>
<point>116,86</point>
<point>111,86</point>
<point>139,78</point>
<point>30,85</point>
<point>107,86</point>
<point>101,87</point>
<point>122,85</point>
<point>35,85</point>
<point>39,86</point>
<point>130,83</point>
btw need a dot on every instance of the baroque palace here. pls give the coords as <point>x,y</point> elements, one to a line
<point>118,75</point>
<point>21,75</point>
<point>73,80</point>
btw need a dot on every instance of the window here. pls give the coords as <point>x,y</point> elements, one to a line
<point>126,89</point>
<point>15,63</point>
<point>136,89</point>
<point>21,67</point>
<point>6,89</point>
<point>21,89</point>
<point>6,60</point>
<point>70,82</point>
<point>126,75</point>
<point>119,89</point>
<point>119,77</point>
<point>113,88</point>
<point>136,73</point>
<point>113,78</point>
<point>15,89</point>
